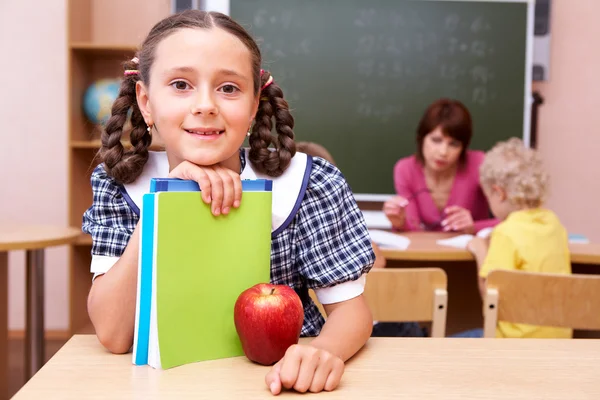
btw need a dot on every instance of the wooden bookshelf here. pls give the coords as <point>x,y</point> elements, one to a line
<point>102,34</point>
<point>86,144</point>
<point>95,144</point>
<point>100,48</point>
<point>84,240</point>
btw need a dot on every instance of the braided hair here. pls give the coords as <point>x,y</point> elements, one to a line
<point>125,166</point>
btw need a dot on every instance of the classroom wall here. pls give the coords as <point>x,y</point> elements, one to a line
<point>34,137</point>
<point>33,165</point>
<point>569,122</point>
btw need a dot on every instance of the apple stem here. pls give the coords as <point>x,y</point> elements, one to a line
<point>272,290</point>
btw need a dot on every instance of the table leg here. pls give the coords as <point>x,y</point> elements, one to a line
<point>34,330</point>
<point>3,325</point>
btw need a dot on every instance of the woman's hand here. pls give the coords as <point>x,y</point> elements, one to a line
<point>458,219</point>
<point>305,368</point>
<point>394,211</point>
<point>221,187</point>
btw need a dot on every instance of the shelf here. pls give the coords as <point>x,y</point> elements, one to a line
<point>96,144</point>
<point>87,329</point>
<point>102,51</point>
<point>102,47</point>
<point>84,240</point>
<point>85,144</point>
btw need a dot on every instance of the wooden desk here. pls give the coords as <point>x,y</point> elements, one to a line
<point>464,301</point>
<point>32,239</point>
<point>585,253</point>
<point>423,247</point>
<point>412,368</point>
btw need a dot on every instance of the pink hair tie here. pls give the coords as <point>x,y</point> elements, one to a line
<point>269,81</point>
<point>129,72</point>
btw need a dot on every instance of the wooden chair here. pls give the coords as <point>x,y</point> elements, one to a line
<point>569,301</point>
<point>313,296</point>
<point>405,295</point>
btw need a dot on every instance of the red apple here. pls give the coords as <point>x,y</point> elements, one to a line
<point>268,319</point>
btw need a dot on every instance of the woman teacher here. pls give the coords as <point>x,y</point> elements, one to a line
<point>438,187</point>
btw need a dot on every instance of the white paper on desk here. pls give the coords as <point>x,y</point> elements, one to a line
<point>485,232</point>
<point>389,240</point>
<point>460,241</point>
<point>376,220</point>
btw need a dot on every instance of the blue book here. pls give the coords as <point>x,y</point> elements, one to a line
<point>578,238</point>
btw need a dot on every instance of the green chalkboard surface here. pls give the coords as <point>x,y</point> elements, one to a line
<point>359,74</point>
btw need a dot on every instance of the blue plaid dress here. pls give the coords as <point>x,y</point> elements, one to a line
<point>327,242</point>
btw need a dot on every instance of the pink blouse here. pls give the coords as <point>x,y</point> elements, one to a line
<point>422,213</point>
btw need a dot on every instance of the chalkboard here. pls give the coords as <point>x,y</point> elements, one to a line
<point>359,74</point>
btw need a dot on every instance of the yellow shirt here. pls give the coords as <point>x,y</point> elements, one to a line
<point>529,240</point>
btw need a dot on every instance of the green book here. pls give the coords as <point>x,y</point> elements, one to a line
<point>198,265</point>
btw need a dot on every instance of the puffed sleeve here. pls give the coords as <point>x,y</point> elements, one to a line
<point>109,220</point>
<point>334,247</point>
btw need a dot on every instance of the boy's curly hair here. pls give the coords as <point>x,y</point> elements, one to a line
<point>518,170</point>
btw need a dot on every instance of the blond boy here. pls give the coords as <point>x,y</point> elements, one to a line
<point>530,237</point>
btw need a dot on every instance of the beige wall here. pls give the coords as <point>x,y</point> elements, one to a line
<point>34,137</point>
<point>569,135</point>
<point>33,165</point>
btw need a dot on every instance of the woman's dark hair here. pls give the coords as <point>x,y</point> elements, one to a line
<point>453,118</point>
<point>126,165</point>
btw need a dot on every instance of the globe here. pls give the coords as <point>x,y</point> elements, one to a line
<point>98,99</point>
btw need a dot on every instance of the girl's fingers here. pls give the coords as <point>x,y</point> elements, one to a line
<point>228,189</point>
<point>220,187</point>
<point>272,379</point>
<point>290,366</point>
<point>237,188</point>
<point>216,184</point>
<point>306,373</point>
<point>333,380</point>
<point>189,171</point>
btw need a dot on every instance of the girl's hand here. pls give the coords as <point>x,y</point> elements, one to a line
<point>221,187</point>
<point>458,219</point>
<point>305,368</point>
<point>394,211</point>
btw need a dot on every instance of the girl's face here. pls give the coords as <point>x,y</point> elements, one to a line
<point>440,151</point>
<point>201,97</point>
